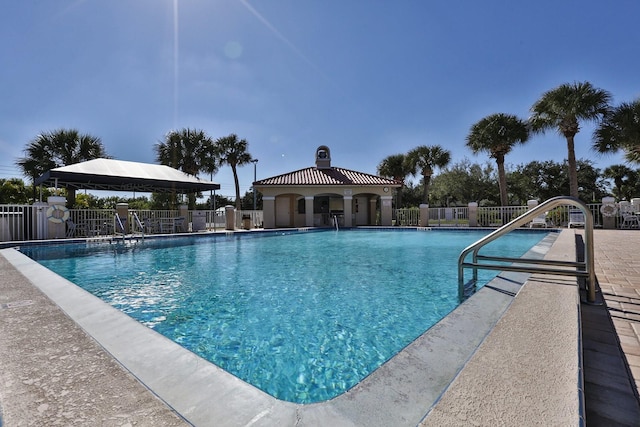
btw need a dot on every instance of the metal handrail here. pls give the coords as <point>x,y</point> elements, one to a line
<point>583,268</point>
<point>139,224</point>
<point>118,222</point>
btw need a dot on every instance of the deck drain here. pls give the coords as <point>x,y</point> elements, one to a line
<point>16,304</point>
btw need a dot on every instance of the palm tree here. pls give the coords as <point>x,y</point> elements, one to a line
<point>395,167</point>
<point>188,150</point>
<point>497,134</point>
<point>562,109</point>
<point>423,159</point>
<point>233,152</point>
<point>59,148</point>
<point>620,129</point>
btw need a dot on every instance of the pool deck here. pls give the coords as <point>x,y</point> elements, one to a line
<point>54,373</point>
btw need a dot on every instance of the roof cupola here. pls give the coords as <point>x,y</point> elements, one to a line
<point>323,157</point>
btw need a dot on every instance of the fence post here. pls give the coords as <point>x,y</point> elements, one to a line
<point>230,217</point>
<point>40,220</point>
<point>56,225</point>
<point>122,210</point>
<point>424,215</point>
<point>473,214</point>
<point>608,221</point>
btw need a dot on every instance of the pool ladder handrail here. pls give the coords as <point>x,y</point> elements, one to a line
<point>583,268</point>
<point>139,224</point>
<point>118,223</point>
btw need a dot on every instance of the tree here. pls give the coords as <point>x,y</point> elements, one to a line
<point>247,201</point>
<point>624,181</point>
<point>423,159</point>
<point>216,201</point>
<point>562,109</point>
<point>56,149</point>
<point>540,180</point>
<point>620,130</point>
<point>395,167</point>
<point>411,195</point>
<point>544,180</point>
<point>233,152</point>
<point>497,134</point>
<point>12,191</point>
<point>464,182</point>
<point>188,150</point>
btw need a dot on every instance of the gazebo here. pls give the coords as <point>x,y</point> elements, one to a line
<point>110,175</point>
<point>325,195</point>
<point>121,175</point>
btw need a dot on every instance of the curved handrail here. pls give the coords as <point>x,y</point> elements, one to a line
<point>138,223</point>
<point>587,266</point>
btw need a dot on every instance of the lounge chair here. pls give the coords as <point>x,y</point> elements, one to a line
<point>539,221</point>
<point>576,218</point>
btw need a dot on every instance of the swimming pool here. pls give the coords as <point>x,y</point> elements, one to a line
<point>303,316</point>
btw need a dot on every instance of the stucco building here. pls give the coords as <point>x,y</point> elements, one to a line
<point>318,196</point>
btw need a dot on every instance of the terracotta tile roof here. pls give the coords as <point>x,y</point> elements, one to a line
<point>331,176</point>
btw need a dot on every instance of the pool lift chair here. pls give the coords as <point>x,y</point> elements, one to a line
<point>71,228</point>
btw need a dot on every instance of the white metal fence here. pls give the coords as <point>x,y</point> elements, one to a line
<point>491,216</point>
<point>36,222</point>
<point>18,222</point>
<point>27,222</point>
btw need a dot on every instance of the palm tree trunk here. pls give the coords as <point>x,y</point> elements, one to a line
<point>502,185</point>
<point>399,197</point>
<point>571,161</point>
<point>502,182</point>
<point>71,197</point>
<point>237,184</point>
<point>425,189</point>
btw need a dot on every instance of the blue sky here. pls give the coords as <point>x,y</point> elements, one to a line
<point>368,78</point>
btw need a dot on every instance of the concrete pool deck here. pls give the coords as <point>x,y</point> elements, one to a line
<point>53,373</point>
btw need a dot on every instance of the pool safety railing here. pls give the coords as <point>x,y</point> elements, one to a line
<point>583,269</point>
<point>335,221</point>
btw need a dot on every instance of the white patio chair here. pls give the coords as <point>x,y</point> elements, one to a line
<point>629,217</point>
<point>576,218</point>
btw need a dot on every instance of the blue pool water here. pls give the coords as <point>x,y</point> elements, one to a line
<point>303,316</point>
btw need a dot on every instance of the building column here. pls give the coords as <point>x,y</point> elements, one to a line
<point>385,210</point>
<point>269,211</point>
<point>308,211</point>
<point>348,209</point>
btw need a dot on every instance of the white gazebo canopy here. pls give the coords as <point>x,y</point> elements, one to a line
<point>121,175</point>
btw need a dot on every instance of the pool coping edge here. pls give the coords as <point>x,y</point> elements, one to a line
<point>397,391</point>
